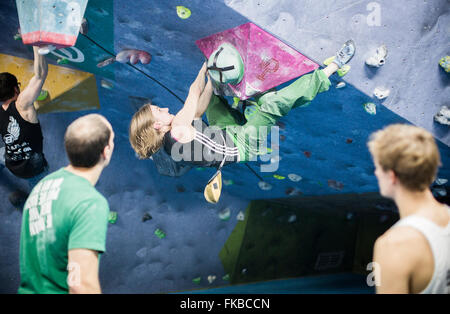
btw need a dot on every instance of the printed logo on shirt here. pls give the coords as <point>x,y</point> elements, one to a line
<point>16,152</point>
<point>13,131</point>
<point>39,205</point>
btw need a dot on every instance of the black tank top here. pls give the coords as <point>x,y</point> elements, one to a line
<point>208,148</point>
<point>23,143</point>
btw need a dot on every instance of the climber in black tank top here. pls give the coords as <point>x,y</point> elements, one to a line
<point>19,126</point>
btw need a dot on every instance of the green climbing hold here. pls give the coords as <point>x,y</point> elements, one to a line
<point>17,37</point>
<point>197,280</point>
<point>276,176</point>
<point>160,234</point>
<point>112,218</point>
<point>200,169</point>
<point>225,214</point>
<point>183,12</point>
<point>226,277</point>
<point>43,95</point>
<point>370,108</point>
<point>62,61</point>
<point>228,182</point>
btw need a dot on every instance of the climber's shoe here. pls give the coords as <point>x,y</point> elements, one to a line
<point>345,54</point>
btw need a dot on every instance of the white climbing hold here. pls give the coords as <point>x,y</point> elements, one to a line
<point>440,181</point>
<point>379,58</point>
<point>340,85</point>
<point>240,216</point>
<point>84,27</point>
<point>294,177</point>
<point>106,84</point>
<point>440,191</point>
<point>211,278</point>
<point>292,218</point>
<point>381,93</point>
<point>443,116</point>
<point>264,186</point>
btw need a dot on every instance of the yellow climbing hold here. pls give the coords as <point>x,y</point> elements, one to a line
<point>276,176</point>
<point>183,12</point>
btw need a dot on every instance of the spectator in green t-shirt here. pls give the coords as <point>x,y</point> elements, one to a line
<point>65,218</point>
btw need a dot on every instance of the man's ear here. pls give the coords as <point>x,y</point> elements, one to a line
<point>393,177</point>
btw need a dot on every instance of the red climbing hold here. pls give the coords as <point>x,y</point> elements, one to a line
<point>349,141</point>
<point>133,56</point>
<point>307,154</point>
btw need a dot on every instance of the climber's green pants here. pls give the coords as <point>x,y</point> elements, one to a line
<point>250,135</point>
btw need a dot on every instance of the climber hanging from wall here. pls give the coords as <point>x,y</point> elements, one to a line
<point>176,143</point>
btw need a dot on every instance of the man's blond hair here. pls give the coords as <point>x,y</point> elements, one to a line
<point>409,151</point>
<point>144,138</point>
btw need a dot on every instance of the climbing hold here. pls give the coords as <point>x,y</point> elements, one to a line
<point>349,141</point>
<point>226,277</point>
<point>106,84</point>
<point>264,186</point>
<point>276,176</point>
<point>344,70</point>
<point>370,108</point>
<point>282,137</point>
<point>62,61</point>
<point>340,85</point>
<point>293,192</point>
<point>379,58</point>
<point>146,217</point>
<point>445,63</point>
<point>43,95</point>
<point>349,216</point>
<point>112,218</point>
<point>197,280</point>
<point>84,26</point>
<point>292,218</point>
<point>200,169</point>
<point>225,214</point>
<point>211,278</point>
<point>106,62</point>
<point>307,154</point>
<point>439,192</point>
<point>240,216</point>
<point>440,181</point>
<point>294,177</point>
<point>18,36</point>
<point>228,182</point>
<point>244,271</point>
<point>183,12</point>
<point>443,116</point>
<point>335,185</point>
<point>381,93</point>
<point>133,56</point>
<point>160,234</point>
<point>281,125</point>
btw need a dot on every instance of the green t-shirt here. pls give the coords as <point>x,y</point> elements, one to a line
<point>63,212</point>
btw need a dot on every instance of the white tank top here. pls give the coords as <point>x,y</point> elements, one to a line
<point>439,241</point>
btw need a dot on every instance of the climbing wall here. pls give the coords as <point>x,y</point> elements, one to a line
<point>166,237</point>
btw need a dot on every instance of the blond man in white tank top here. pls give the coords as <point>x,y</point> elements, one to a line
<point>413,256</point>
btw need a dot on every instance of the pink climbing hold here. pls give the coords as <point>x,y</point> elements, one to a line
<point>133,56</point>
